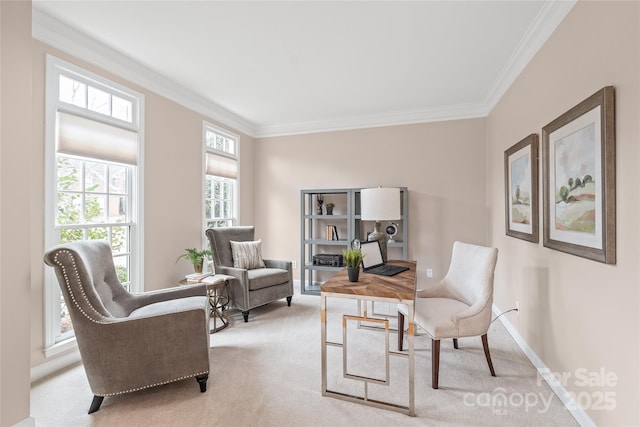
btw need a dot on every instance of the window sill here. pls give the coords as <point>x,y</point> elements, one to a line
<point>61,347</point>
<point>59,356</point>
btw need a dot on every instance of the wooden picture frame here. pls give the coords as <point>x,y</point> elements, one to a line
<point>579,179</point>
<point>521,189</point>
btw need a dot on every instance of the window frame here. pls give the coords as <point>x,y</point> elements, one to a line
<point>55,67</point>
<point>206,149</point>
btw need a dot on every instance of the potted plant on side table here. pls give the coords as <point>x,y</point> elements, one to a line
<point>196,257</point>
<point>353,258</point>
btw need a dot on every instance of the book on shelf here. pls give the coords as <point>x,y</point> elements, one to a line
<point>332,232</point>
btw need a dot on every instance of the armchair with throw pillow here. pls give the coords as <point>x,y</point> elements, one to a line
<point>261,281</point>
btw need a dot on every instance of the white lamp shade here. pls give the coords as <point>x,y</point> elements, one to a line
<point>379,204</point>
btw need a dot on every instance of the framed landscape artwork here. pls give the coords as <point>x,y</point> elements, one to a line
<point>521,189</point>
<point>579,179</point>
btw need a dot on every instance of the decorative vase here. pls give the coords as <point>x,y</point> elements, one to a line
<point>329,210</point>
<point>353,273</point>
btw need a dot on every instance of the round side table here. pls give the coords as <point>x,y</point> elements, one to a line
<point>218,293</point>
<point>218,304</point>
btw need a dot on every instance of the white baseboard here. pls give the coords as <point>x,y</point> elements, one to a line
<point>27,422</point>
<point>570,404</point>
<point>53,365</point>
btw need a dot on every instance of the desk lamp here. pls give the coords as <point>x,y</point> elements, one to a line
<point>379,204</point>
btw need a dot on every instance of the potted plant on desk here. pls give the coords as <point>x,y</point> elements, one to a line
<point>196,257</point>
<point>353,258</point>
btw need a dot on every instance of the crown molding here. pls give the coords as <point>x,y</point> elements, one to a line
<point>456,112</point>
<point>550,16</point>
<point>56,34</point>
<point>547,20</point>
<point>60,36</point>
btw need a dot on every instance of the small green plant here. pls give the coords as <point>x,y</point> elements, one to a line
<point>353,257</point>
<point>329,204</point>
<point>196,257</point>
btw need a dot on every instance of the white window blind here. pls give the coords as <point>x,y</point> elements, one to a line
<point>221,166</point>
<point>79,136</point>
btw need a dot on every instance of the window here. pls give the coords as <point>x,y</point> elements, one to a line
<point>93,140</point>
<point>221,177</point>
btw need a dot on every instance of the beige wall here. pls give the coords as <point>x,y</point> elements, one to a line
<point>172,187</point>
<point>576,313</point>
<point>438,162</point>
<point>15,220</point>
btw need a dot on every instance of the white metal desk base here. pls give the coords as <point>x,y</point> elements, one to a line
<point>365,400</point>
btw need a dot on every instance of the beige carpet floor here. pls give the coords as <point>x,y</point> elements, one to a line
<point>268,373</point>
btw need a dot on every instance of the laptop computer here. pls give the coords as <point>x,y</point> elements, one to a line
<point>373,263</point>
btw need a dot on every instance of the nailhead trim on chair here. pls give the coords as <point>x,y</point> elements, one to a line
<point>154,385</point>
<point>66,279</point>
<point>73,298</point>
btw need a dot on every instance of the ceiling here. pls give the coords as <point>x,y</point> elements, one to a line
<point>271,68</point>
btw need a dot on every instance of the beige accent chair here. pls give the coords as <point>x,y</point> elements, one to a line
<point>459,306</point>
<point>255,287</point>
<point>129,342</point>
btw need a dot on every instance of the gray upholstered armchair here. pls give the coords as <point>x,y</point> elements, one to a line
<point>130,342</point>
<point>268,282</point>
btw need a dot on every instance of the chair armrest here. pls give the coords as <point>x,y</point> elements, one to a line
<point>474,320</point>
<point>283,265</point>
<point>472,310</point>
<point>439,290</point>
<point>151,297</point>
<point>468,313</point>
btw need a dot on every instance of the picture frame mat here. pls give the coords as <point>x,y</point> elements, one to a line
<point>594,240</point>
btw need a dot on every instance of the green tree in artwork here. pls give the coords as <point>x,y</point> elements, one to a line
<point>564,193</point>
<point>579,183</point>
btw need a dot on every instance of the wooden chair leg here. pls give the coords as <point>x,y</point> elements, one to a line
<point>485,345</point>
<point>455,343</point>
<point>400,330</point>
<point>435,362</point>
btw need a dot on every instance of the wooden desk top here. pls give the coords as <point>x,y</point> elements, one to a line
<point>400,286</point>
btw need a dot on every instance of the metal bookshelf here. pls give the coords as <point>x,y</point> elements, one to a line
<point>315,237</point>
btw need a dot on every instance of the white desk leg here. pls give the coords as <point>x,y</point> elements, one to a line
<point>323,338</point>
<point>411,333</point>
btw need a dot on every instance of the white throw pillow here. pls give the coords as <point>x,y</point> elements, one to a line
<point>247,255</point>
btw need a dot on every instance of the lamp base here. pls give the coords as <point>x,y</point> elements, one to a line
<point>380,236</point>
